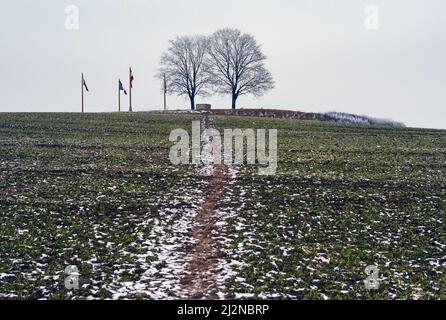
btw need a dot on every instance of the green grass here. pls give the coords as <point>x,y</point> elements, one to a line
<point>87,190</point>
<point>344,197</point>
<point>80,190</point>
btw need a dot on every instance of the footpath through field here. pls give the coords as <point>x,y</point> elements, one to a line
<point>201,279</point>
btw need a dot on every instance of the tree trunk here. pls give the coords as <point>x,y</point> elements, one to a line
<point>234,101</point>
<point>192,102</point>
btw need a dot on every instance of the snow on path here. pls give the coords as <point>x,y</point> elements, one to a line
<point>174,243</point>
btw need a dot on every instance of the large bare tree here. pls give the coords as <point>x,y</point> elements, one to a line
<point>183,65</point>
<point>236,65</point>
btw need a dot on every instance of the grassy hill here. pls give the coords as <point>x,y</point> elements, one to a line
<point>97,191</point>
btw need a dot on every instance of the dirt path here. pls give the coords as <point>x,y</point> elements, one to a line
<point>200,281</point>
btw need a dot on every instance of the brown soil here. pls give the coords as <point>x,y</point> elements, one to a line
<point>200,281</point>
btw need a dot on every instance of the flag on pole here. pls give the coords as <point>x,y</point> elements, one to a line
<point>131,87</point>
<point>131,78</point>
<point>121,87</point>
<point>85,85</point>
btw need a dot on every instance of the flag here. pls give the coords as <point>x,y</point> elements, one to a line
<point>131,78</point>
<point>121,87</point>
<point>85,85</point>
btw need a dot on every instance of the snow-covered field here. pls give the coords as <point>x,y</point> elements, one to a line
<point>98,192</point>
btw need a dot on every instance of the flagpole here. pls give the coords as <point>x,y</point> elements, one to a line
<point>130,92</point>
<point>82,93</point>
<point>119,96</point>
<point>165,107</point>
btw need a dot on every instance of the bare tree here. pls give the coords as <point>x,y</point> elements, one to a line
<point>236,65</point>
<point>184,67</point>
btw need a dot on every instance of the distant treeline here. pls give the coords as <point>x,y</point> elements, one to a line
<point>339,117</point>
<point>352,118</point>
<point>299,115</point>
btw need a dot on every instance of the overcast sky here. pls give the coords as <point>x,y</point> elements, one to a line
<point>321,54</point>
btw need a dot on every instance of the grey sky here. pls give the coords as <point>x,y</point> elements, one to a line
<point>319,52</point>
